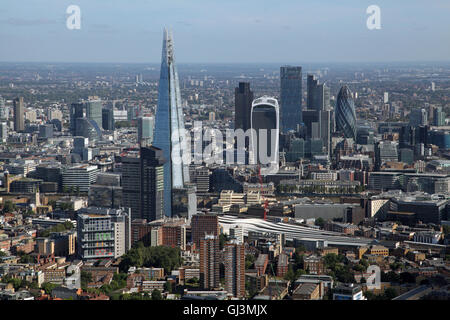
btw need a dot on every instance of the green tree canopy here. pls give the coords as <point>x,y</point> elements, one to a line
<point>156,295</point>
<point>158,257</point>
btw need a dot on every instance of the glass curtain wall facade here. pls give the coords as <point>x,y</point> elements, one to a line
<point>169,123</point>
<point>346,114</point>
<point>291,98</point>
<point>265,116</point>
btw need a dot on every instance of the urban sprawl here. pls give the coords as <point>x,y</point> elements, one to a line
<point>94,207</point>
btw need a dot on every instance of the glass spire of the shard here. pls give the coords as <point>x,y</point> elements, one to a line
<point>169,124</point>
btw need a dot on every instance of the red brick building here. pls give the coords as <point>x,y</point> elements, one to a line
<point>282,265</point>
<point>204,224</point>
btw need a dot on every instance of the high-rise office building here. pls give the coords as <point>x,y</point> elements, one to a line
<point>318,95</point>
<point>45,131</point>
<point>265,120</point>
<point>4,110</point>
<point>3,132</point>
<point>152,184</point>
<point>86,119</point>
<point>326,127</point>
<point>131,185</point>
<point>234,261</point>
<point>202,224</point>
<point>77,110</point>
<point>345,114</point>
<point>439,117</point>
<point>418,117</point>
<point>209,262</point>
<point>19,111</point>
<point>243,98</point>
<point>108,119</point>
<point>88,128</point>
<point>169,124</point>
<point>290,98</point>
<point>80,177</point>
<point>145,130</point>
<point>385,151</point>
<point>312,121</point>
<point>143,183</point>
<point>94,110</point>
<point>184,201</point>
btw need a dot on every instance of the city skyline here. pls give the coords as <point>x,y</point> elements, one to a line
<point>224,181</point>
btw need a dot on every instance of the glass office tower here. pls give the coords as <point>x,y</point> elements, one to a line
<point>169,123</point>
<point>145,129</point>
<point>265,116</point>
<point>346,114</point>
<point>291,97</point>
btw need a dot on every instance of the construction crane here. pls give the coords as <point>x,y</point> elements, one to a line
<point>266,203</point>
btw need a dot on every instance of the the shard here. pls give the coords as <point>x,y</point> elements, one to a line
<point>169,125</point>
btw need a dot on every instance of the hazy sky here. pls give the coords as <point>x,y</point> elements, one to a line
<point>281,31</point>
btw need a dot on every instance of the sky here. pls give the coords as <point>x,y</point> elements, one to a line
<point>226,31</point>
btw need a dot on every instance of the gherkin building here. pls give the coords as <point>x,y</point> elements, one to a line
<point>345,114</point>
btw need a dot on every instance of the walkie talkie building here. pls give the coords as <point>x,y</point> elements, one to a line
<point>169,124</point>
<point>346,114</point>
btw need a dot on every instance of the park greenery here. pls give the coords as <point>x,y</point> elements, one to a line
<point>338,269</point>
<point>25,258</point>
<point>388,294</point>
<point>18,283</point>
<point>9,206</point>
<point>296,269</point>
<point>249,261</point>
<point>158,257</point>
<point>58,228</point>
<point>319,222</point>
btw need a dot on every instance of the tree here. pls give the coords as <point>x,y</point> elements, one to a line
<point>52,203</point>
<point>319,222</point>
<point>364,263</point>
<point>86,277</point>
<point>168,287</point>
<point>406,277</point>
<point>48,287</point>
<point>222,240</point>
<point>156,295</point>
<point>249,260</point>
<point>358,267</point>
<point>8,206</point>
<point>25,258</point>
<point>300,248</point>
<point>159,257</point>
<point>67,225</point>
<point>290,274</point>
<point>193,281</point>
<point>390,293</point>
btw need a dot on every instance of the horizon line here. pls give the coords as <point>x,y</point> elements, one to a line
<point>211,63</point>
